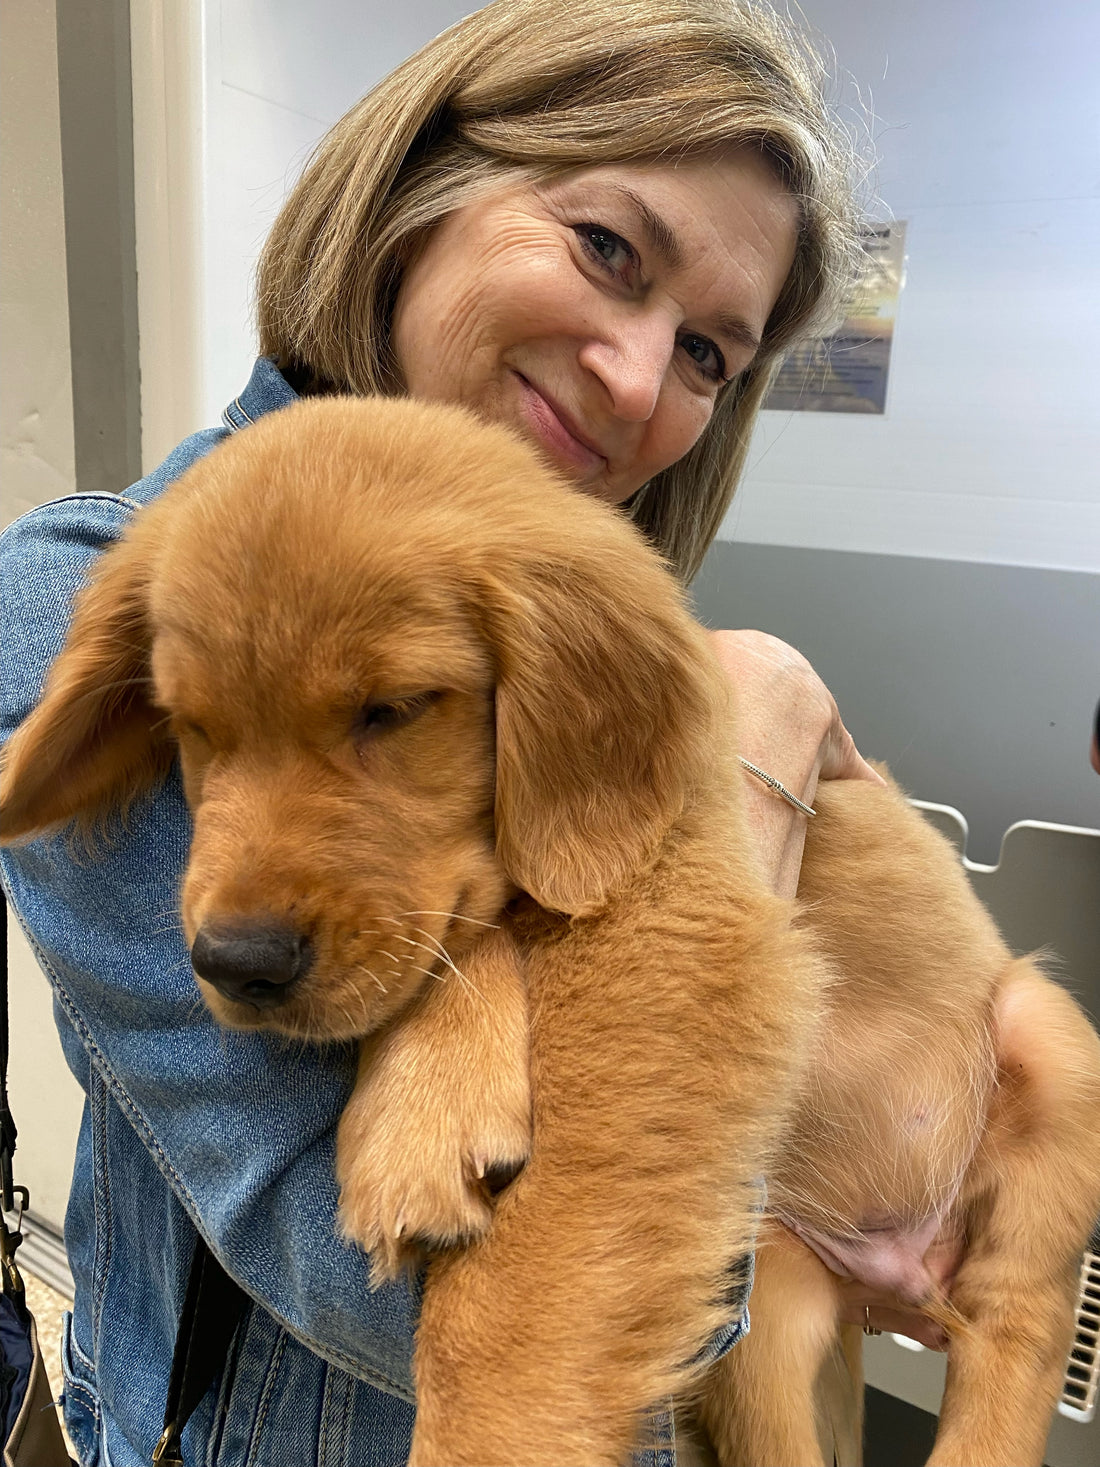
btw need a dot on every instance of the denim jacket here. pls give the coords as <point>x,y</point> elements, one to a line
<point>187,1126</point>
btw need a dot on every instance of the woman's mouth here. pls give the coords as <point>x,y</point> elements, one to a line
<point>552,430</point>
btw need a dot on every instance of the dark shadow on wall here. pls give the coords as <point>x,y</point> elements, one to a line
<point>97,166</point>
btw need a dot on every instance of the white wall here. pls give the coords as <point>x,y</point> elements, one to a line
<point>36,453</point>
<point>985,118</point>
<point>277,76</point>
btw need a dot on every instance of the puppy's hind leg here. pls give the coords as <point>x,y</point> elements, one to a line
<point>1031,1196</point>
<point>758,1402</point>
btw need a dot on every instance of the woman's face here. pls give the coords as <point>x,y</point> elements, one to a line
<point>599,315</point>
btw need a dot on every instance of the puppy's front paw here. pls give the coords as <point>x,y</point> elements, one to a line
<point>440,1118</point>
<point>397,1212</point>
<point>418,1168</point>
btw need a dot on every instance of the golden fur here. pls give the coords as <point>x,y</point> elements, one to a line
<point>944,1069</point>
<point>453,721</point>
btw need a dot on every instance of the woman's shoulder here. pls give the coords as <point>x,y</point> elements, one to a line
<point>45,557</point>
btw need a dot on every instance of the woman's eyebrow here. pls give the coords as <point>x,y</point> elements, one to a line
<point>661,238</point>
<point>660,235</point>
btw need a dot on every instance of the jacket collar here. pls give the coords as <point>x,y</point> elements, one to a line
<point>267,391</point>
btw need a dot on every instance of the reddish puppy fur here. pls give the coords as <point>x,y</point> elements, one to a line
<point>418,686</point>
<point>554,733</point>
<point>948,1079</point>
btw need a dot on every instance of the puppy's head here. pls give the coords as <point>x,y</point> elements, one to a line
<point>407,673</point>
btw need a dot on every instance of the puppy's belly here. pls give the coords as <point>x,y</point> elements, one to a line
<point>891,1258</point>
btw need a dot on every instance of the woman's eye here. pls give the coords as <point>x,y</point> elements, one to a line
<point>706,356</point>
<point>606,247</point>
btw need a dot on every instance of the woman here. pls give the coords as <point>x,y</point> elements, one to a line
<point>600,225</point>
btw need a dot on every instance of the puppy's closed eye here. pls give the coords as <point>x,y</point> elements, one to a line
<point>187,728</point>
<point>381,717</point>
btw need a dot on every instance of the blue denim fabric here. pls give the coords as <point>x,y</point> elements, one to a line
<point>185,1125</point>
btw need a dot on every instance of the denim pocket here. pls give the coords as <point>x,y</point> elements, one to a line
<point>80,1399</point>
<point>738,1290</point>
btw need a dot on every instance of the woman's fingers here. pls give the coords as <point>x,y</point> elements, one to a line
<point>896,1321</point>
<point>841,759</point>
<point>862,1304</point>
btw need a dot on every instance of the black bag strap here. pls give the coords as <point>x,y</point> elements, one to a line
<point>212,1309</point>
<point>8,1132</point>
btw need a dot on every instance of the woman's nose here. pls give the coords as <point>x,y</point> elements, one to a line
<point>632,364</point>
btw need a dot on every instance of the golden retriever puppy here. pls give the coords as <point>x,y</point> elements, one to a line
<point>418,686</point>
<point>442,718</point>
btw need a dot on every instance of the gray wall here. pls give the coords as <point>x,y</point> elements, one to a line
<point>97,159</point>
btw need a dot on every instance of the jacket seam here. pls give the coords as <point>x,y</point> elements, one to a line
<point>101,1186</point>
<point>335,1419</point>
<point>266,1393</point>
<point>322,1448</point>
<point>70,1382</point>
<point>226,1383</point>
<point>74,1346</point>
<point>74,1388</point>
<point>99,496</point>
<point>227,417</point>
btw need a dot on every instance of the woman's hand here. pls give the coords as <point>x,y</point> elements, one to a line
<point>861,1304</point>
<point>789,725</point>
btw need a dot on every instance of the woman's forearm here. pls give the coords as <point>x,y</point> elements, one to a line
<point>780,832</point>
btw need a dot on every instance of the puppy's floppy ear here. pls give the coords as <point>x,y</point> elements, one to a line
<point>606,707</point>
<point>93,741</point>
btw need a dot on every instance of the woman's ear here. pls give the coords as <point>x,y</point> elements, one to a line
<point>606,711</point>
<point>95,740</point>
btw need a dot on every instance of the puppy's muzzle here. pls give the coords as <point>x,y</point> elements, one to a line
<point>257,964</point>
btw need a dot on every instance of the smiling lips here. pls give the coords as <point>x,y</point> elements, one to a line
<point>554,429</point>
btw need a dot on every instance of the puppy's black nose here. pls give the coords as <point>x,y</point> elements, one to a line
<point>258,964</point>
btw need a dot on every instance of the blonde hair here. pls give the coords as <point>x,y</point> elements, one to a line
<point>528,88</point>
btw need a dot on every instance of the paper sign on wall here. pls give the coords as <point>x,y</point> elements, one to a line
<point>845,369</point>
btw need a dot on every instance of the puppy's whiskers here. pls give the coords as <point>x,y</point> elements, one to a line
<point>459,974</point>
<point>168,927</point>
<point>354,1026</point>
<point>443,953</point>
<point>375,976</point>
<point>431,951</point>
<point>456,916</point>
<point>444,956</point>
<point>439,977</point>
